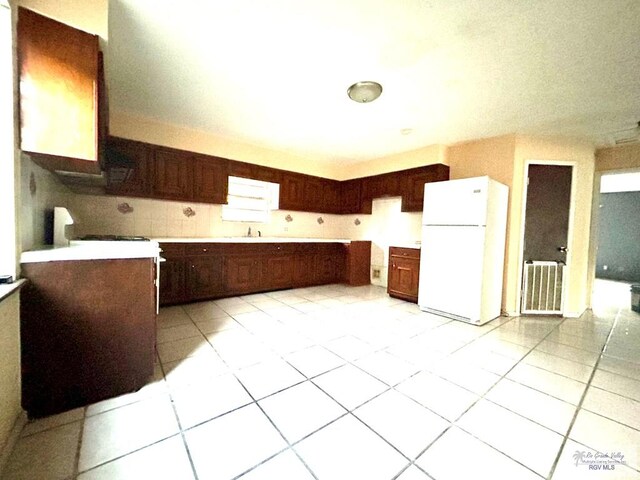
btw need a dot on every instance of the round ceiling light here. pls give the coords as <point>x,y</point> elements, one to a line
<point>364,92</point>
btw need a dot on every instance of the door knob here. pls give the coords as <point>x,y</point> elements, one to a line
<point>563,249</point>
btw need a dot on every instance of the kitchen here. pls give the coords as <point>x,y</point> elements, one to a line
<point>502,157</point>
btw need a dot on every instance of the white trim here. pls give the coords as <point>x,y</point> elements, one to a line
<point>570,227</point>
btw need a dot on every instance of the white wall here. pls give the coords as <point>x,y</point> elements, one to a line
<point>40,192</point>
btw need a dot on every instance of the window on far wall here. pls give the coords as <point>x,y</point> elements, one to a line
<point>250,200</point>
<point>7,151</point>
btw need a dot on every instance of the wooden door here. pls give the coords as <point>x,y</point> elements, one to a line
<point>279,271</point>
<point>172,281</point>
<point>545,238</point>
<point>244,273</point>
<point>350,196</point>
<point>403,277</point>
<point>172,175</point>
<point>313,194</point>
<point>547,213</point>
<point>204,277</point>
<point>304,269</point>
<point>209,179</point>
<point>58,91</point>
<point>292,192</point>
<point>331,197</point>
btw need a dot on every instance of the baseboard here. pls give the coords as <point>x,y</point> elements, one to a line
<point>10,444</point>
<point>573,314</point>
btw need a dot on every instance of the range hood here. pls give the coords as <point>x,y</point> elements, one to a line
<point>117,169</point>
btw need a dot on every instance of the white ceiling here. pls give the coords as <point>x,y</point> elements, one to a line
<point>275,73</point>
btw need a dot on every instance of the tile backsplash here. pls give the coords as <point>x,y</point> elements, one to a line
<point>97,214</point>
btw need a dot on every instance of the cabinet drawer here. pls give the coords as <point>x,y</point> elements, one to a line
<point>203,248</point>
<point>172,250</point>
<point>404,252</point>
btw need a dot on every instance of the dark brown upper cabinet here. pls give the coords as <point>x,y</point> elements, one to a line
<point>412,184</point>
<point>209,179</point>
<point>331,197</point>
<point>137,182</point>
<point>350,191</point>
<point>292,192</point>
<point>313,194</point>
<point>59,83</point>
<point>172,174</point>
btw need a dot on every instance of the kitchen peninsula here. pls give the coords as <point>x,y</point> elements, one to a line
<point>88,323</point>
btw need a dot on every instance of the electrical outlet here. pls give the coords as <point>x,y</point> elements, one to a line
<point>376,273</point>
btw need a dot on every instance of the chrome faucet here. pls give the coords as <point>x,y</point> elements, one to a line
<point>249,232</point>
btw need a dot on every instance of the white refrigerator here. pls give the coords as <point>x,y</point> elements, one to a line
<point>464,225</point>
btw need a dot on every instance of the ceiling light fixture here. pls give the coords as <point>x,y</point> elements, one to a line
<point>364,92</point>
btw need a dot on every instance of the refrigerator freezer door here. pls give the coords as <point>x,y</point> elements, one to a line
<point>456,202</point>
<point>451,263</point>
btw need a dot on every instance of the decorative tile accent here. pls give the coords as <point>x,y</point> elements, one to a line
<point>188,212</point>
<point>125,208</point>
<point>357,222</point>
<point>288,218</point>
<point>320,221</point>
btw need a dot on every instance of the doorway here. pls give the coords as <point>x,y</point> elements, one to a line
<point>618,247</point>
<point>545,252</point>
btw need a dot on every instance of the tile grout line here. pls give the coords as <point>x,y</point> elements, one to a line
<point>182,435</point>
<point>582,398</point>
<point>76,463</point>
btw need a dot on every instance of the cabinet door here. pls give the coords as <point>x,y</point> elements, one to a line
<point>313,195</point>
<point>350,196</point>
<point>304,269</point>
<point>204,277</point>
<point>244,273</point>
<point>209,179</point>
<point>138,182</point>
<point>330,263</point>
<point>403,277</point>
<point>292,192</point>
<point>58,90</point>
<point>278,272</point>
<point>172,284</point>
<point>172,175</point>
<point>331,197</point>
<point>413,185</point>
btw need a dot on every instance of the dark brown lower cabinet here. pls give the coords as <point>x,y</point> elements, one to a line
<point>88,331</point>
<point>200,271</point>
<point>204,277</point>
<point>172,281</point>
<point>277,271</point>
<point>244,274</point>
<point>403,273</point>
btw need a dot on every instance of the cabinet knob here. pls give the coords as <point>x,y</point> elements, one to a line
<point>204,249</point>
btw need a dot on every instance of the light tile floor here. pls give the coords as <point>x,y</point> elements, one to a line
<point>335,382</point>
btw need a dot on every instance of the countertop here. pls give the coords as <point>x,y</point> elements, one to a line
<point>92,250</point>
<point>250,240</point>
<point>416,245</point>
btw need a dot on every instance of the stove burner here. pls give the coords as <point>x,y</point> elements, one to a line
<point>112,238</point>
